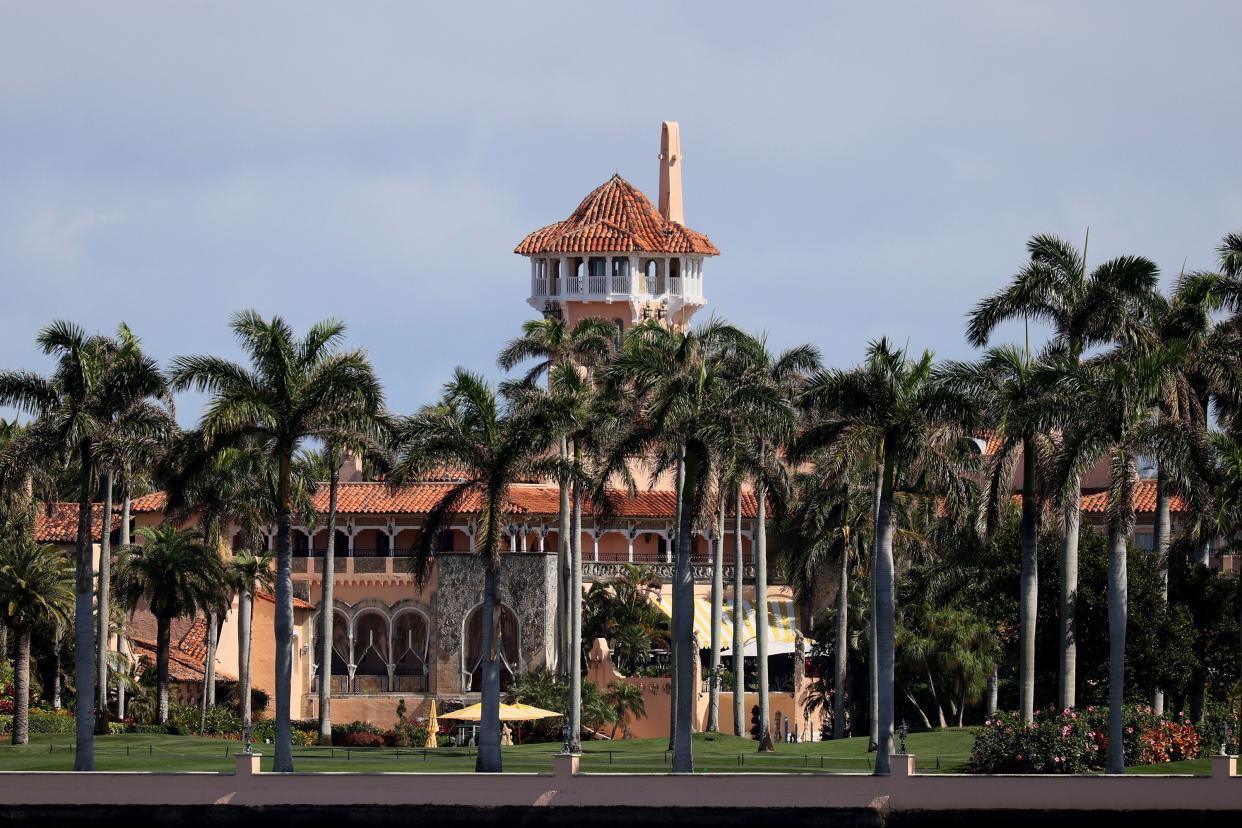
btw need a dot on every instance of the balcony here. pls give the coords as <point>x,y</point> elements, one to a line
<point>374,685</point>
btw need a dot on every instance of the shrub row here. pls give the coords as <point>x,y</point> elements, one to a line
<point>1076,741</point>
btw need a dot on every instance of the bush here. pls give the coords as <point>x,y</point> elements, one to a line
<point>304,732</point>
<point>146,728</point>
<point>183,720</point>
<point>340,731</point>
<point>359,739</point>
<point>406,734</point>
<point>1076,741</point>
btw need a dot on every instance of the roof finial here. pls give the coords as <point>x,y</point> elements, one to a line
<point>670,173</point>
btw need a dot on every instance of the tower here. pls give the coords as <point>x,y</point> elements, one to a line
<point>618,257</point>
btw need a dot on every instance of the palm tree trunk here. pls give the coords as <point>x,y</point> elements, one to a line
<point>283,762</point>
<point>21,688</point>
<point>713,695</point>
<point>57,682</point>
<point>163,644</point>
<point>884,618</point>
<point>762,625</point>
<point>4,645</point>
<point>931,685</point>
<point>1117,589</point>
<point>674,542</point>
<point>1069,596</point>
<point>326,614</point>
<point>245,631</point>
<point>842,642</point>
<point>1029,599</point>
<point>488,759</point>
<point>84,621</point>
<point>1160,544</point>
<point>873,660</point>
<point>739,628</point>
<point>919,708</point>
<point>683,617</point>
<point>209,674</point>
<point>563,575</point>
<point>574,598</point>
<point>993,690</point>
<point>122,644</point>
<point>103,599</point>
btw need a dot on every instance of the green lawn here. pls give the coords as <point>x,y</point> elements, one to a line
<point>724,753</point>
<point>946,751</point>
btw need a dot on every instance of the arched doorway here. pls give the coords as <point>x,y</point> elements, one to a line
<point>507,648</point>
<point>409,647</point>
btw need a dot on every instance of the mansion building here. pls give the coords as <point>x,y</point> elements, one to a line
<point>619,257</point>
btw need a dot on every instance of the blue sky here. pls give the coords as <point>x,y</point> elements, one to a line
<point>866,169</point>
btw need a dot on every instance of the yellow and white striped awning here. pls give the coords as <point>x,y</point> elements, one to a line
<point>782,624</point>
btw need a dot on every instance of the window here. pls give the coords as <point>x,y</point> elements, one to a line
<point>1145,541</point>
<point>472,649</point>
<point>383,543</point>
<point>444,541</point>
<point>371,654</point>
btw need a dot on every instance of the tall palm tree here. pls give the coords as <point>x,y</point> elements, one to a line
<point>225,490</point>
<point>1114,399</point>
<point>686,390</point>
<point>552,341</point>
<point>1022,400</point>
<point>494,444</point>
<point>95,389</point>
<point>176,575</point>
<point>36,586</point>
<point>896,405</point>
<point>364,437</point>
<point>119,445</point>
<point>294,389</point>
<point>783,374</point>
<point>1084,309</point>
<point>248,572</point>
<point>831,508</point>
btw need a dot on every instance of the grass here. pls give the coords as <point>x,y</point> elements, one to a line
<point>944,751</point>
<point>141,752</point>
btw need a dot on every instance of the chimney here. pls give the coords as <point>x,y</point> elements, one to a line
<point>670,173</point>
<point>351,467</point>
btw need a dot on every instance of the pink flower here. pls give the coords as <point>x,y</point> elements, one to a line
<point>1019,757</point>
<point>1065,712</point>
<point>987,722</point>
<point>1129,730</point>
<point>1074,715</point>
<point>1065,730</point>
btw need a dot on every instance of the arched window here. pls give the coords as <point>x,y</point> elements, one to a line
<point>409,646</point>
<point>653,277</point>
<point>340,653</point>
<point>371,652</point>
<point>506,648</point>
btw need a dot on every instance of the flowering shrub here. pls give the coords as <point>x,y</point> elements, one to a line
<point>359,739</point>
<point>1076,741</point>
<point>6,705</point>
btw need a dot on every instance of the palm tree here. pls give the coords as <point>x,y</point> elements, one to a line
<point>626,701</point>
<point>831,509</point>
<point>248,572</point>
<point>783,375</point>
<point>1115,395</point>
<point>97,389</point>
<point>1022,400</point>
<point>552,341</point>
<point>1084,309</point>
<point>176,575</point>
<point>894,405</point>
<point>223,490</point>
<point>36,586</point>
<point>318,465</point>
<point>295,389</point>
<point>686,391</point>
<point>494,444</point>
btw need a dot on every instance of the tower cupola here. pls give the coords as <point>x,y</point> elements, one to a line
<point>618,257</point>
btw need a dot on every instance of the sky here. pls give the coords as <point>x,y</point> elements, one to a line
<point>866,169</point>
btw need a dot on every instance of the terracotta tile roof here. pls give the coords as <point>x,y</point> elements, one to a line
<point>194,642</point>
<point>616,218</point>
<point>298,603</point>
<point>1144,499</point>
<point>153,502</point>
<point>59,524</point>
<point>181,667</point>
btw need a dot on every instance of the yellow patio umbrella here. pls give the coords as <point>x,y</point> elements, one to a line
<point>508,713</point>
<point>433,725</point>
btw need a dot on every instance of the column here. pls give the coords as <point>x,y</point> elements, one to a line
<point>608,274</point>
<point>349,545</point>
<point>595,533</point>
<point>525,532</point>
<point>630,534</point>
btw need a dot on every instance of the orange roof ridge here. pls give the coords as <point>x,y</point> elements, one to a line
<point>616,217</point>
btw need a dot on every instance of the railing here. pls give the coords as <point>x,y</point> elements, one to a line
<point>652,284</point>
<point>598,284</point>
<point>374,684</point>
<point>540,286</point>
